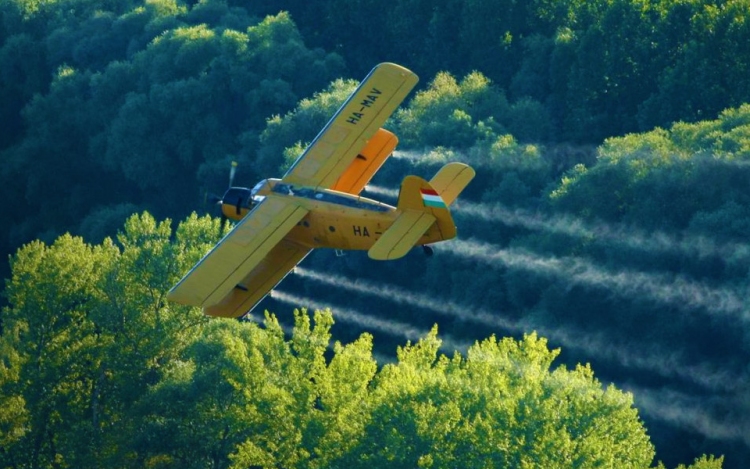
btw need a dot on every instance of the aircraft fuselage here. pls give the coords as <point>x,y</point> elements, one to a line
<point>336,220</point>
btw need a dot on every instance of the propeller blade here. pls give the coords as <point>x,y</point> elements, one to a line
<point>232,172</point>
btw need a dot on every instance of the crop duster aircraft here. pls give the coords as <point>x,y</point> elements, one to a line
<point>316,204</point>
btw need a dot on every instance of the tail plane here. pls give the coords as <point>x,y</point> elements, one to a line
<point>451,180</point>
<point>423,204</point>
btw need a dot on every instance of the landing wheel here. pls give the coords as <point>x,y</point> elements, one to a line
<point>428,251</point>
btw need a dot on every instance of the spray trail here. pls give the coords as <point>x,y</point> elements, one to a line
<point>655,242</point>
<point>684,411</point>
<point>680,410</point>
<point>399,295</point>
<point>621,235</point>
<point>668,364</point>
<point>673,291</point>
<point>409,155</point>
<point>382,191</point>
<point>392,328</point>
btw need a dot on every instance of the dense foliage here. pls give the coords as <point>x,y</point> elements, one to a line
<point>627,249</point>
<point>104,373</point>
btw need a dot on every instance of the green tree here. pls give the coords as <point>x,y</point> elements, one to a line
<point>102,371</point>
<point>51,293</point>
<point>655,179</point>
<point>489,36</point>
<point>14,418</point>
<point>143,107</point>
<point>23,72</point>
<point>704,462</point>
<point>451,113</point>
<point>88,331</point>
<point>501,405</point>
<point>316,409</point>
<point>59,126</point>
<point>702,74</point>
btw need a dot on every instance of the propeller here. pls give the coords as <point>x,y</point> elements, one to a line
<point>236,198</point>
<point>218,201</point>
<point>232,172</point>
<point>223,220</point>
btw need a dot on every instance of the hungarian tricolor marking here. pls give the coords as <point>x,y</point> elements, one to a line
<point>430,198</point>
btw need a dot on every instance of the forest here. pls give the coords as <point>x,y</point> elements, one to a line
<point>593,311</point>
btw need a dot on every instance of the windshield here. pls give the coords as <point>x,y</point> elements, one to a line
<point>255,190</point>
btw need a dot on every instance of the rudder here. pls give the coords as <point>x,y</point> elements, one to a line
<point>418,194</point>
<point>420,208</point>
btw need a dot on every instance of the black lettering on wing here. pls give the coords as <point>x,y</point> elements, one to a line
<point>355,117</point>
<point>369,100</point>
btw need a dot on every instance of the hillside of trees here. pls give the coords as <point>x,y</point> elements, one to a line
<point>609,218</point>
<point>99,371</point>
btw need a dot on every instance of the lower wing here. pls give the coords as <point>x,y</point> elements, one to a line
<point>250,243</point>
<point>260,281</point>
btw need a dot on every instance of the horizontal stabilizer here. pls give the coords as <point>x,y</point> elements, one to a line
<point>421,207</point>
<point>403,234</point>
<point>451,180</point>
<point>418,194</point>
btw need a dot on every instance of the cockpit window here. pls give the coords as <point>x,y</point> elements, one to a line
<point>258,187</point>
<point>330,197</point>
<point>255,190</point>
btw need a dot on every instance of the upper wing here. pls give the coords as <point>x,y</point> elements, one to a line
<point>262,279</point>
<point>246,246</point>
<point>353,125</point>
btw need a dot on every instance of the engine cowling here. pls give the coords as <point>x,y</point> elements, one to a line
<point>236,203</point>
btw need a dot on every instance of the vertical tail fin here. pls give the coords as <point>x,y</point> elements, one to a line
<point>420,208</point>
<point>419,195</point>
<point>423,204</point>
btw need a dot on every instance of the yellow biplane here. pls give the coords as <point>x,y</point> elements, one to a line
<point>316,204</point>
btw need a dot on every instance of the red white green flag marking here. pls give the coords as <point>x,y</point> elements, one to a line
<point>430,198</point>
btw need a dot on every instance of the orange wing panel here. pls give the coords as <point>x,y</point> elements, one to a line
<point>367,163</point>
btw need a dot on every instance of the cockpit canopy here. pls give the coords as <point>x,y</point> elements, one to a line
<point>258,193</point>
